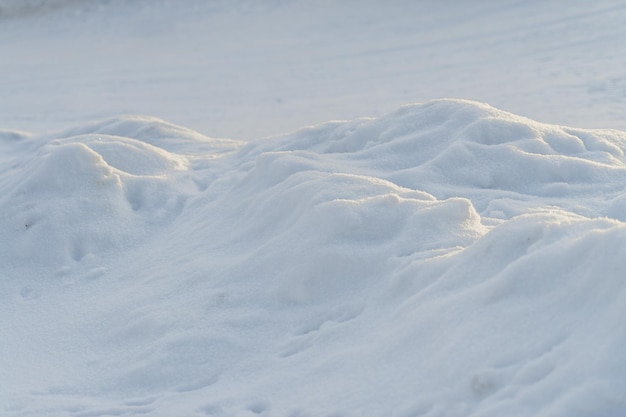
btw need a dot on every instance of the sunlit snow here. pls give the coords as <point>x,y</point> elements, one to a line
<point>445,258</point>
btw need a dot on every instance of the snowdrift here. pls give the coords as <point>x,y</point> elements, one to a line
<point>448,259</point>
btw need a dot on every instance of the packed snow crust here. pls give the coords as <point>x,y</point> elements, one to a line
<point>446,259</point>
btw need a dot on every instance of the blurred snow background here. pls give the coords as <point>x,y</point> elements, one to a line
<point>245,69</point>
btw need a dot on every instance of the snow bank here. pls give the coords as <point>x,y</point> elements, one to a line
<point>448,259</point>
<point>77,196</point>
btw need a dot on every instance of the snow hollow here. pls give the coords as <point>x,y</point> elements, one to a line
<point>446,259</point>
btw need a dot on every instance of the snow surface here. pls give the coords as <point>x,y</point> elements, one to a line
<point>251,68</point>
<point>443,259</point>
<point>446,259</point>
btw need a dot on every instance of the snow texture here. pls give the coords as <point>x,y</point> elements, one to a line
<point>443,259</point>
<point>446,259</point>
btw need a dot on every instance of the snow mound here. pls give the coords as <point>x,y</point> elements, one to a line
<point>462,144</point>
<point>448,259</point>
<point>82,195</point>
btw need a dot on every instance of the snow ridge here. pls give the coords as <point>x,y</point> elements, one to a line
<point>447,259</point>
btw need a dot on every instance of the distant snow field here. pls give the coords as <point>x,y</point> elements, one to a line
<point>245,69</point>
<point>440,259</point>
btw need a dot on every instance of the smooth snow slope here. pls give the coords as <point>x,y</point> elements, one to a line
<point>447,259</point>
<point>247,69</point>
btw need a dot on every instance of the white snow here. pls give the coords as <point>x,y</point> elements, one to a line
<point>440,259</point>
<point>247,68</point>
